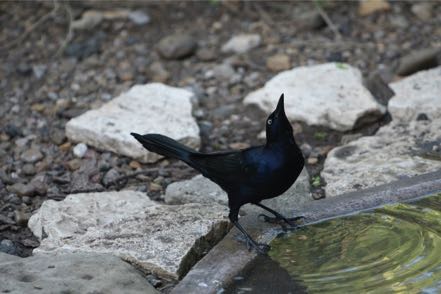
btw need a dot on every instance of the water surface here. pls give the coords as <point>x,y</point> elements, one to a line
<point>395,249</point>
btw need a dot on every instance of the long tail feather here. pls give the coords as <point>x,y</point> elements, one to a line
<point>164,146</point>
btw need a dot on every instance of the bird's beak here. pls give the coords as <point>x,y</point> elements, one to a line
<point>280,109</point>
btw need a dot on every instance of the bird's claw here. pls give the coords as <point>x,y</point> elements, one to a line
<point>259,247</point>
<point>282,221</point>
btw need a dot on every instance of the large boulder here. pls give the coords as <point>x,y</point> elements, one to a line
<point>165,239</point>
<point>70,273</point>
<point>330,95</point>
<point>397,151</point>
<point>416,95</point>
<point>150,108</point>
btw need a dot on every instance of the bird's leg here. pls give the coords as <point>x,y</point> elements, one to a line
<point>278,217</point>
<point>259,247</point>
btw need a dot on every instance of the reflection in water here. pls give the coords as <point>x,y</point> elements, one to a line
<point>395,249</point>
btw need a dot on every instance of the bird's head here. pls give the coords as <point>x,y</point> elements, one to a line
<point>278,126</point>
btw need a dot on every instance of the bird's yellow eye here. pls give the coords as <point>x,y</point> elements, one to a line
<point>270,121</point>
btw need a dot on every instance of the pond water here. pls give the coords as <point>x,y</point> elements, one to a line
<point>394,249</point>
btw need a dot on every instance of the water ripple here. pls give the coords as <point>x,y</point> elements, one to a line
<point>394,249</point>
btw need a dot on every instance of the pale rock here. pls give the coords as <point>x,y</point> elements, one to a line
<point>177,46</point>
<point>70,273</point>
<point>416,94</point>
<point>80,150</point>
<point>330,94</point>
<point>164,239</point>
<point>241,43</point>
<point>139,17</point>
<point>278,62</point>
<point>199,189</point>
<point>367,7</point>
<point>397,151</point>
<point>91,18</point>
<point>423,10</point>
<point>150,108</point>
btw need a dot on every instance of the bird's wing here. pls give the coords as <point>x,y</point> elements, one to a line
<point>224,168</point>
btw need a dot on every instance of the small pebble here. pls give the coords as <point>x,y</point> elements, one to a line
<point>31,155</point>
<point>29,169</point>
<point>80,150</point>
<point>74,164</point>
<point>135,164</point>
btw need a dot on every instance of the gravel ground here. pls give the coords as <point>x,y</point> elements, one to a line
<point>50,73</point>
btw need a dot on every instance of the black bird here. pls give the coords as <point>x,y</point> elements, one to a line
<point>249,175</point>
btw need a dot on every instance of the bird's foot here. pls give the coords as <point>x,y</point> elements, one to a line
<point>282,221</point>
<point>251,244</point>
<point>259,247</point>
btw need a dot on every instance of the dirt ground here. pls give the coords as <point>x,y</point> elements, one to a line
<point>50,73</point>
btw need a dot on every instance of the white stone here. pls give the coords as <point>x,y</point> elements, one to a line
<point>164,239</point>
<point>397,151</point>
<point>199,189</point>
<point>70,273</point>
<point>418,93</point>
<point>80,150</point>
<point>139,17</point>
<point>242,43</point>
<point>150,108</point>
<point>330,95</point>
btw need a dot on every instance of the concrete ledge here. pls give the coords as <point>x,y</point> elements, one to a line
<point>227,259</point>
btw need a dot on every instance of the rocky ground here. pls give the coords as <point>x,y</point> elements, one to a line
<point>60,60</point>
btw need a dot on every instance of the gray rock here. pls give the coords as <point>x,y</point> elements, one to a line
<point>207,54</point>
<point>310,20</point>
<point>88,20</point>
<point>7,246</point>
<point>422,10</point>
<point>201,190</point>
<point>5,177</point>
<point>80,150</point>
<point>139,17</point>
<point>29,169</point>
<point>151,108</point>
<point>339,101</point>
<point>223,71</point>
<point>177,46</point>
<point>70,273</point>
<point>395,152</point>
<point>196,190</point>
<point>419,60</point>
<point>419,93</point>
<point>22,189</point>
<point>242,43</point>
<point>57,136</point>
<point>347,138</point>
<point>164,239</point>
<point>110,176</point>
<point>31,155</point>
<point>39,70</point>
<point>158,72</point>
<point>278,62</point>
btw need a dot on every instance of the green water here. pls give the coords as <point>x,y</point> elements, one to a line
<point>395,249</point>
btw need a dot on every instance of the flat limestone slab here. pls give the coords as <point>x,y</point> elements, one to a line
<point>417,94</point>
<point>164,239</point>
<point>70,273</point>
<point>396,152</point>
<point>199,189</point>
<point>150,108</point>
<point>330,95</point>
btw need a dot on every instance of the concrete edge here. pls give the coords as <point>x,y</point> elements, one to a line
<point>229,257</point>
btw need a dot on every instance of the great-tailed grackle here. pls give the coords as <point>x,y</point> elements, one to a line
<point>249,175</point>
